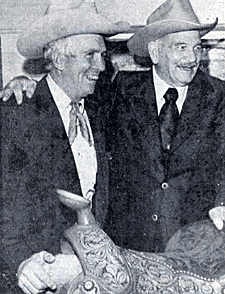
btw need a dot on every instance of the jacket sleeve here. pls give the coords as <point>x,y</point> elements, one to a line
<point>220,137</point>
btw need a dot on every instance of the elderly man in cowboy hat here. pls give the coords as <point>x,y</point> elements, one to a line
<point>56,139</point>
<point>158,185</point>
<point>167,135</point>
<point>163,178</point>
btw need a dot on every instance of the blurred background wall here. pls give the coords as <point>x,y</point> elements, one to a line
<point>16,15</point>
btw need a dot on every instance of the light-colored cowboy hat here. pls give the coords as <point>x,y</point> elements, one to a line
<point>172,16</point>
<point>62,21</point>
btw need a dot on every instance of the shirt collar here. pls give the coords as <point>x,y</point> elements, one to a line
<point>160,89</point>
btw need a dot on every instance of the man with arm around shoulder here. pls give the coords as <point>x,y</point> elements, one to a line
<point>167,135</point>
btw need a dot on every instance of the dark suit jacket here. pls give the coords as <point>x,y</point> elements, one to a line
<point>152,194</point>
<point>36,159</point>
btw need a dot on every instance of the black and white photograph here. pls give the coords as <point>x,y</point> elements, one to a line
<point>112,138</point>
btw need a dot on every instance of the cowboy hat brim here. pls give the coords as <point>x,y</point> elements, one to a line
<point>138,43</point>
<point>62,24</point>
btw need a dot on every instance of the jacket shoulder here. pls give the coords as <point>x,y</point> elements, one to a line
<point>212,81</point>
<point>41,94</point>
<point>16,117</point>
<point>216,83</point>
<point>127,79</point>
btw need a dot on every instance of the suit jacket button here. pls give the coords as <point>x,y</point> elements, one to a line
<point>155,217</point>
<point>165,186</point>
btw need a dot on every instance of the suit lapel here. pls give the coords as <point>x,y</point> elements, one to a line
<point>193,109</point>
<point>54,146</point>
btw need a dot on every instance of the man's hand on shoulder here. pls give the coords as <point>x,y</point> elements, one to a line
<point>18,85</point>
<point>217,215</point>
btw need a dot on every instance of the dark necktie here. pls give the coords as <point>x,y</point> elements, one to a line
<point>168,118</point>
<point>77,120</point>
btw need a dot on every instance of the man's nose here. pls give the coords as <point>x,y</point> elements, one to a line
<point>99,63</point>
<point>192,56</point>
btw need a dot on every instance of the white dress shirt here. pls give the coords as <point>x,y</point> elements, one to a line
<point>160,89</point>
<point>84,155</point>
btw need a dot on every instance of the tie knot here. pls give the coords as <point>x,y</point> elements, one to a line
<point>171,95</point>
<point>76,107</point>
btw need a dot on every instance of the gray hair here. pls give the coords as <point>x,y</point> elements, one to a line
<point>53,49</point>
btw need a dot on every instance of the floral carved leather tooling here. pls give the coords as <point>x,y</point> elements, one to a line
<point>108,269</point>
<point>101,260</point>
<point>153,275</point>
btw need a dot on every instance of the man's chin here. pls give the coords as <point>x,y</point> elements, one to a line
<point>89,90</point>
<point>186,78</point>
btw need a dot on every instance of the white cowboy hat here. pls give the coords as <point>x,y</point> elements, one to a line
<point>60,21</point>
<point>172,16</point>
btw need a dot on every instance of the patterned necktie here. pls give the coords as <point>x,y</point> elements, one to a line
<point>77,120</point>
<point>168,118</point>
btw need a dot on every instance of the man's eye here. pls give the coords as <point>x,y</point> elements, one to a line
<point>90,55</point>
<point>198,49</point>
<point>181,47</point>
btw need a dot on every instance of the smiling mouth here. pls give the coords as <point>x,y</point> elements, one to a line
<point>92,78</point>
<point>187,68</point>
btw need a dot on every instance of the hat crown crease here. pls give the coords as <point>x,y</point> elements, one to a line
<point>174,10</point>
<point>86,6</point>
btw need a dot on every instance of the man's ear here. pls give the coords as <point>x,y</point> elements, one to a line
<point>58,60</point>
<point>153,49</point>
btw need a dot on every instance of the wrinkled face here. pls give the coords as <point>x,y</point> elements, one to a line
<point>84,64</point>
<point>179,55</point>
